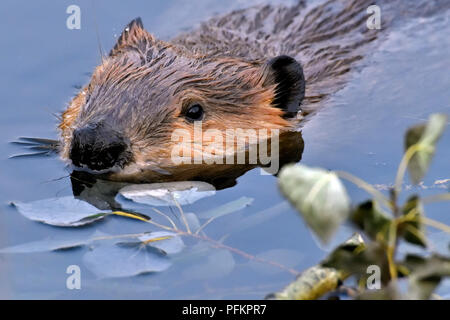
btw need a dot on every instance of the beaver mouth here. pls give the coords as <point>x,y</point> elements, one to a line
<point>99,148</point>
<point>100,166</point>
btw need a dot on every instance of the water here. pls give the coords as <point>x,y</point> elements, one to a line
<point>360,131</point>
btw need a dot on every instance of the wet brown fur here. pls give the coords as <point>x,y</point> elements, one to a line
<point>145,84</point>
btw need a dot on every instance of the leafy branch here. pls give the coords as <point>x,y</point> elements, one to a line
<point>322,200</point>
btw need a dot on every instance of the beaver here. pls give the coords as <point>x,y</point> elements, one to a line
<point>255,68</point>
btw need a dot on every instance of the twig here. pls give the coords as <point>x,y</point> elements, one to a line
<point>403,166</point>
<point>183,217</point>
<point>436,198</point>
<point>366,186</point>
<point>167,217</point>
<point>435,224</point>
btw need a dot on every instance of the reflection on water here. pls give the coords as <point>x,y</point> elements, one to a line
<point>101,193</point>
<point>360,131</point>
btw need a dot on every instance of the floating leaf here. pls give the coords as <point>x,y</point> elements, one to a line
<point>167,194</point>
<point>369,219</point>
<point>132,215</point>
<point>126,259</point>
<point>62,212</point>
<point>227,208</point>
<point>318,195</point>
<point>64,244</point>
<point>424,138</point>
<point>45,245</point>
<point>169,242</point>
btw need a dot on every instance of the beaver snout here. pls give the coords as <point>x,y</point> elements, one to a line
<point>99,147</point>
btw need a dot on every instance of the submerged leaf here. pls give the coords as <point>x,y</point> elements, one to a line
<point>424,138</point>
<point>192,221</point>
<point>227,208</point>
<point>206,262</point>
<point>62,212</point>
<point>287,258</point>
<point>125,260</point>
<point>130,258</point>
<point>256,218</point>
<point>45,245</point>
<point>167,194</point>
<point>318,195</point>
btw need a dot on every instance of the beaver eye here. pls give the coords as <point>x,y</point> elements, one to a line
<point>195,112</point>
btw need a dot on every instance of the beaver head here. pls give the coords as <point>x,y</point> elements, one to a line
<point>123,120</point>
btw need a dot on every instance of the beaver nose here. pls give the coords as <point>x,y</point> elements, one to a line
<point>98,146</point>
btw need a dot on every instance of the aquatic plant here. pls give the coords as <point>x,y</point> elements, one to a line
<point>372,257</point>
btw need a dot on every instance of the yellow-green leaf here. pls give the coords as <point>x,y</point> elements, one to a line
<point>421,141</point>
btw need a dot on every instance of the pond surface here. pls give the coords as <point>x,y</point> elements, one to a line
<point>360,131</point>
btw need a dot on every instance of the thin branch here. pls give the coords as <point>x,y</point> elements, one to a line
<point>167,217</point>
<point>366,186</point>
<point>391,249</point>
<point>436,198</point>
<point>183,216</point>
<point>242,253</point>
<point>205,224</point>
<point>403,166</point>
<point>435,224</point>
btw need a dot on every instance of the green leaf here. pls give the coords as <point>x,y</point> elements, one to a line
<point>370,220</point>
<point>318,195</point>
<point>389,292</point>
<point>62,212</point>
<point>426,274</point>
<point>312,284</point>
<point>424,137</point>
<point>412,230</point>
<point>355,256</point>
<point>316,281</point>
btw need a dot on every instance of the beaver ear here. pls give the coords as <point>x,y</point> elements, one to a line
<point>133,35</point>
<point>287,75</point>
